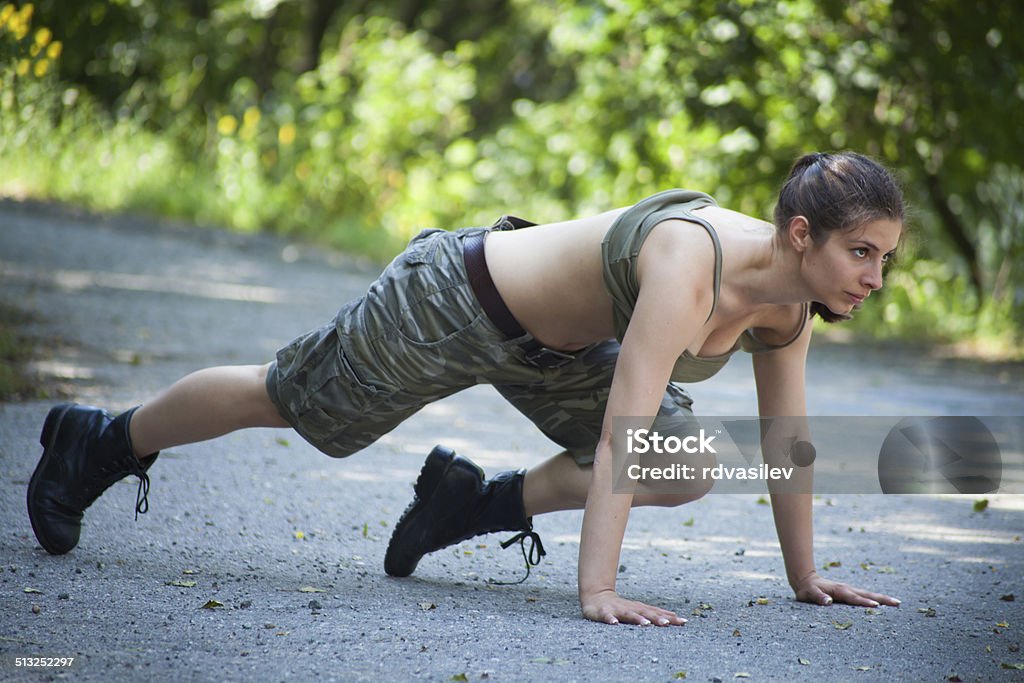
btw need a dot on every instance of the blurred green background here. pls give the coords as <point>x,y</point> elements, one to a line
<point>358,123</point>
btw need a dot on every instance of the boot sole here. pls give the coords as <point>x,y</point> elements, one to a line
<point>47,439</point>
<point>439,460</point>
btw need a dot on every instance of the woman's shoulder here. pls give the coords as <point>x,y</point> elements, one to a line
<point>681,245</point>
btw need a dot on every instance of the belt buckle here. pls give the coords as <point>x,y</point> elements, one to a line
<point>549,358</point>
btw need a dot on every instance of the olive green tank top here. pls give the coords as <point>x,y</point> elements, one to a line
<point>620,249</point>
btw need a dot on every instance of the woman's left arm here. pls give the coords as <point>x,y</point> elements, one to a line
<point>779,376</point>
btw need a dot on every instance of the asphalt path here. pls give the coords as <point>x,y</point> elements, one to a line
<point>290,543</point>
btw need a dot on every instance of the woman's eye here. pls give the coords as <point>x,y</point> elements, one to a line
<point>861,252</point>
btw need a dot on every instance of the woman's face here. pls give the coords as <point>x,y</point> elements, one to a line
<point>844,270</point>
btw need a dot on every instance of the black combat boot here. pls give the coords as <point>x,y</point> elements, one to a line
<point>85,450</point>
<point>453,503</point>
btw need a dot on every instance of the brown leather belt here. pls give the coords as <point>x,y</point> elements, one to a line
<point>494,306</point>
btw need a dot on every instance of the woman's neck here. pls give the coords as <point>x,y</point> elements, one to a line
<point>759,269</point>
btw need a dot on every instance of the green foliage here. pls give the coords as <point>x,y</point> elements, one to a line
<point>360,123</point>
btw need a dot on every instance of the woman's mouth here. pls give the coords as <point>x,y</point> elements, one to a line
<point>857,300</point>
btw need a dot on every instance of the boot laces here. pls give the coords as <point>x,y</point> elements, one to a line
<point>142,495</point>
<point>531,557</point>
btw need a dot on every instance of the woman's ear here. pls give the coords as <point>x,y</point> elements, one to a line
<point>799,234</point>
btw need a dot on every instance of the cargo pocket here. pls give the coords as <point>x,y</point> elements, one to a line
<point>421,248</point>
<point>437,302</point>
<point>340,392</point>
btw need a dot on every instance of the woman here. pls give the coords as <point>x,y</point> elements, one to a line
<point>574,323</point>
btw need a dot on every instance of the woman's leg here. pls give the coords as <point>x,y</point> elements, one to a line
<point>86,449</point>
<point>206,404</point>
<point>560,484</point>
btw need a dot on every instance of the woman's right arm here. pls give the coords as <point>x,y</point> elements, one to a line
<point>670,310</point>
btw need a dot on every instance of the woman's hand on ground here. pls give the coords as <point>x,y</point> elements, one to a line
<point>819,591</point>
<point>607,607</point>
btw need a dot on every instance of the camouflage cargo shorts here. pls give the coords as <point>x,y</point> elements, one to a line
<point>419,335</point>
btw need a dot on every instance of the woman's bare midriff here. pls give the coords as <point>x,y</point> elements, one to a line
<point>552,280</point>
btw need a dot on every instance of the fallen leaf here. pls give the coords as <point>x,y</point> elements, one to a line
<point>679,675</point>
<point>36,609</point>
<point>741,674</point>
<point>366,530</point>
<point>33,590</point>
<point>842,625</point>
<point>181,584</point>
<point>530,598</point>
<point>300,535</point>
<point>1019,666</point>
<point>700,609</point>
<point>833,563</point>
<point>1003,624</point>
<point>736,633</point>
<point>805,662</point>
<point>927,611</point>
<point>281,633</point>
<point>762,601</point>
<point>211,604</point>
<point>871,611</point>
<point>955,679</point>
<point>688,522</point>
<point>427,605</point>
<point>862,668</point>
<point>762,501</point>
<point>1008,598</point>
<point>886,570</point>
<point>312,589</point>
<point>190,571</point>
<point>459,677</point>
<point>980,505</point>
<point>281,442</point>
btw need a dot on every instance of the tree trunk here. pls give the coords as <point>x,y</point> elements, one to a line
<point>320,14</point>
<point>954,228</point>
<point>267,58</point>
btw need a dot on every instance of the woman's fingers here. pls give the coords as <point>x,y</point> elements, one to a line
<point>814,594</point>
<point>819,591</point>
<point>881,598</point>
<point>852,597</point>
<point>618,610</point>
<point>658,616</point>
<point>865,598</point>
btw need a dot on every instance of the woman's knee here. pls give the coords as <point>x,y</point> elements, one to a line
<point>674,499</point>
<point>680,491</point>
